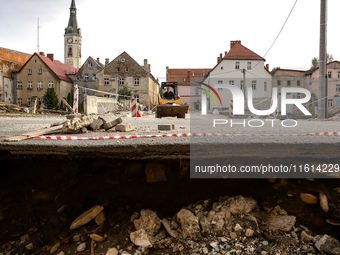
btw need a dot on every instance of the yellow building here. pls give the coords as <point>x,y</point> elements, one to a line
<point>40,73</point>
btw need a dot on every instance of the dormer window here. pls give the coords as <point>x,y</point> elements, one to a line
<point>90,64</point>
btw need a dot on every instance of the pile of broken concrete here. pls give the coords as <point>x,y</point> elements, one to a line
<point>233,225</point>
<point>79,123</point>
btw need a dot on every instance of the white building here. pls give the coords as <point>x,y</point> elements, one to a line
<point>238,66</point>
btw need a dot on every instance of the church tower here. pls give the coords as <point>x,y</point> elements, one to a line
<point>72,39</point>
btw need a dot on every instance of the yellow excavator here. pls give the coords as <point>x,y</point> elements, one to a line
<point>169,102</point>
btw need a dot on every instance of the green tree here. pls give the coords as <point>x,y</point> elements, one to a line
<point>50,98</point>
<point>125,92</point>
<point>70,97</point>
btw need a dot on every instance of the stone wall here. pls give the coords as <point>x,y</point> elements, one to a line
<point>99,105</point>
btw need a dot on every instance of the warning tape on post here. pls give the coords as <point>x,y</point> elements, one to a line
<point>69,138</point>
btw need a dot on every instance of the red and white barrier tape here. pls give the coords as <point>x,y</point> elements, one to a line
<point>54,137</point>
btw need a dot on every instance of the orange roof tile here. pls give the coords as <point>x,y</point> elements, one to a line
<point>238,51</point>
<point>178,75</point>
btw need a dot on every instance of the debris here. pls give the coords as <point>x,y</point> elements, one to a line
<point>112,251</point>
<point>86,217</point>
<point>67,105</point>
<point>97,238</point>
<point>323,202</point>
<point>113,123</point>
<point>124,127</point>
<point>81,247</point>
<point>166,127</point>
<point>96,125</point>
<point>281,223</point>
<point>148,221</point>
<point>77,124</point>
<point>11,107</point>
<point>327,244</point>
<point>34,133</point>
<point>100,218</point>
<point>55,248</point>
<point>309,198</point>
<point>140,238</point>
<point>189,224</point>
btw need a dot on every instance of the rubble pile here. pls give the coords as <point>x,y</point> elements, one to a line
<point>232,225</point>
<point>6,107</point>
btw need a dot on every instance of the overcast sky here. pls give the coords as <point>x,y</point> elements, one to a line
<point>177,33</point>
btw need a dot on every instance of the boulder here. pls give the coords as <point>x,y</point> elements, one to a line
<point>242,205</point>
<point>327,244</point>
<point>141,238</point>
<point>281,222</point>
<point>148,221</point>
<point>189,224</point>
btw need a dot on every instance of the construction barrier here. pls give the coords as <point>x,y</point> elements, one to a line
<point>133,107</point>
<point>76,97</point>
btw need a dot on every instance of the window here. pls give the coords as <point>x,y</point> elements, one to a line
<point>19,85</point>
<point>338,74</point>
<point>329,74</point>
<point>253,85</point>
<point>29,71</point>
<point>196,92</point>
<point>50,84</point>
<point>90,64</point>
<point>106,81</point>
<point>337,88</point>
<point>40,85</point>
<point>298,83</point>
<point>184,79</point>
<point>288,83</point>
<point>29,101</point>
<point>137,98</point>
<point>93,77</point>
<point>86,77</point>
<point>29,85</point>
<point>241,85</point>
<point>219,82</point>
<point>19,101</point>
<point>330,102</point>
<point>136,81</point>
<point>278,83</point>
<point>231,82</point>
<point>265,86</point>
<point>118,69</point>
<point>121,81</point>
<point>39,71</point>
<point>126,69</point>
<point>39,101</point>
<point>221,67</point>
<point>237,65</point>
<point>248,65</point>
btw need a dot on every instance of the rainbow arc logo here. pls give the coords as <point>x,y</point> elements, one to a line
<point>209,93</point>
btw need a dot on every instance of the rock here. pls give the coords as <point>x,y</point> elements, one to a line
<point>140,238</point>
<point>55,248</point>
<point>100,218</point>
<point>205,250</point>
<point>167,227</point>
<point>24,238</point>
<point>189,224</point>
<point>214,245</point>
<point>238,227</point>
<point>166,127</point>
<point>134,216</point>
<point>61,253</point>
<point>125,253</point>
<point>109,125</point>
<point>327,244</point>
<point>249,232</point>
<point>148,221</point>
<point>205,225</point>
<point>112,251</point>
<point>96,125</point>
<point>124,127</point>
<point>81,247</point>
<point>309,198</point>
<point>323,202</point>
<point>29,246</point>
<point>86,217</point>
<point>242,205</point>
<point>281,222</point>
<point>76,238</point>
<point>97,238</point>
<point>305,237</point>
<point>76,124</point>
<point>233,235</point>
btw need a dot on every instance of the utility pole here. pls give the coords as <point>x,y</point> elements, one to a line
<point>244,88</point>
<point>38,36</point>
<point>322,105</point>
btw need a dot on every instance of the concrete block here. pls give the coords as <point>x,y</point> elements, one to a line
<point>106,118</point>
<point>124,127</point>
<point>112,124</point>
<point>96,124</point>
<point>166,127</point>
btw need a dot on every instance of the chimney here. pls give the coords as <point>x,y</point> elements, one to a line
<point>107,60</point>
<point>42,53</point>
<point>50,56</point>
<point>98,59</point>
<point>233,43</point>
<point>149,68</point>
<point>225,53</point>
<point>267,67</point>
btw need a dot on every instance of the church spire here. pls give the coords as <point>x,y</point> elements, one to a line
<point>72,27</point>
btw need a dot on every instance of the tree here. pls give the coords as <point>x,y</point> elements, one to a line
<point>50,98</point>
<point>315,60</point>
<point>124,91</point>
<point>70,97</point>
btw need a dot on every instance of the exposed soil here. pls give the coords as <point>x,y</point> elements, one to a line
<point>41,197</point>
